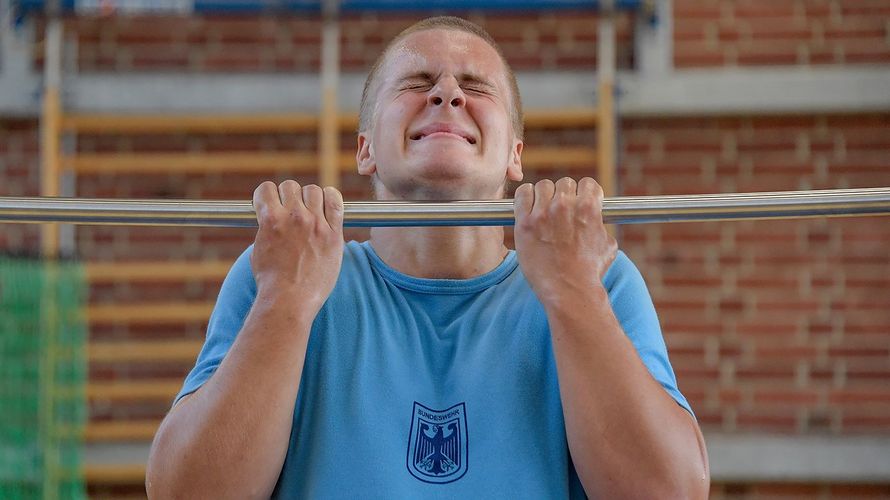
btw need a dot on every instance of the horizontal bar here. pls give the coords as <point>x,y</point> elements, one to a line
<point>622,210</point>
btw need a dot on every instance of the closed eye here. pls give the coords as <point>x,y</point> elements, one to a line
<point>418,86</point>
<point>482,89</point>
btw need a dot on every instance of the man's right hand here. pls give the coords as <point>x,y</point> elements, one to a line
<point>299,245</point>
<point>201,449</point>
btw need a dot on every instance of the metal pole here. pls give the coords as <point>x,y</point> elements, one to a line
<point>622,210</point>
<point>50,120</point>
<point>329,127</point>
<point>605,75</point>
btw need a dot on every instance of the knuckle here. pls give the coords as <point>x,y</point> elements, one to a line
<point>533,219</point>
<point>270,220</point>
<point>586,204</point>
<point>333,202</point>
<point>526,224</point>
<point>560,203</point>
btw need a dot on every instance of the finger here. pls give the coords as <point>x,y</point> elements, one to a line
<point>333,208</point>
<point>564,197</point>
<point>566,192</point>
<point>265,196</point>
<point>289,193</point>
<point>543,196</point>
<point>566,186</point>
<point>523,200</point>
<point>590,188</point>
<point>313,198</point>
<point>587,187</point>
<point>589,197</point>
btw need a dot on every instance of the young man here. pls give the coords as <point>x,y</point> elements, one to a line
<point>433,362</point>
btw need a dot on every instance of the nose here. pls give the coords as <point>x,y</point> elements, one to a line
<point>447,90</point>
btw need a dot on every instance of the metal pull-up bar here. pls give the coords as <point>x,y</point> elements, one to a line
<point>622,210</point>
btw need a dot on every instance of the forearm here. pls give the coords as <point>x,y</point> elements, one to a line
<point>628,438</point>
<point>229,439</point>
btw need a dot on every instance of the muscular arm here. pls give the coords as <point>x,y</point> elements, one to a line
<point>229,439</point>
<point>628,438</point>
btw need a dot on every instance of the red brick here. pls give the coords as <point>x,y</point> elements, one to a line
<point>786,351</point>
<point>681,354</point>
<point>769,282</point>
<point>769,329</point>
<point>877,372</point>
<point>868,424</point>
<point>692,375</point>
<point>859,491</point>
<point>705,282</point>
<point>694,9</point>
<point>690,326</point>
<point>778,30</point>
<point>696,57</point>
<point>786,398</point>
<point>730,396</point>
<point>790,305</point>
<point>860,398</point>
<point>777,56</point>
<point>766,370</point>
<point>762,9</point>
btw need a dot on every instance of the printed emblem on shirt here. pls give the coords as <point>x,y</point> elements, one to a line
<point>437,443</point>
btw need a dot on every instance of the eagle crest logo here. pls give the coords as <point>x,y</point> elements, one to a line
<point>437,443</point>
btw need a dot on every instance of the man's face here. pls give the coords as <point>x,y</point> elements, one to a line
<point>441,124</point>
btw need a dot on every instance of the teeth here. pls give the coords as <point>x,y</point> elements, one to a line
<point>421,136</point>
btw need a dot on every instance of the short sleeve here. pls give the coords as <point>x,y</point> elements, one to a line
<point>633,307</point>
<point>235,299</point>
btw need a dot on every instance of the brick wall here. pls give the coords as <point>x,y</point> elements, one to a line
<point>772,325</point>
<point>224,43</point>
<point>19,176</point>
<point>707,33</point>
<point>711,33</point>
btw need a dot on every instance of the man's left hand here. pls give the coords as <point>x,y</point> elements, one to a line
<point>561,242</point>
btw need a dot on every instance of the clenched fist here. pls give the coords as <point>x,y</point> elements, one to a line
<point>299,245</point>
<point>561,242</point>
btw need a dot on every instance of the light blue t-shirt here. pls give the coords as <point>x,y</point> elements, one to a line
<point>431,388</point>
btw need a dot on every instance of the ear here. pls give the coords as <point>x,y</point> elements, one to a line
<point>514,163</point>
<point>364,156</point>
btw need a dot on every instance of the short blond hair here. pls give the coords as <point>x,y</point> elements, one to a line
<point>446,23</point>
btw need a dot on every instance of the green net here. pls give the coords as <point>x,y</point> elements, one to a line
<point>42,379</point>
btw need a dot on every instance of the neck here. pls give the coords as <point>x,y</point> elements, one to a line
<point>440,252</point>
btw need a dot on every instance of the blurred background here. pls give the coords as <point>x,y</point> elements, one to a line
<point>779,331</point>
